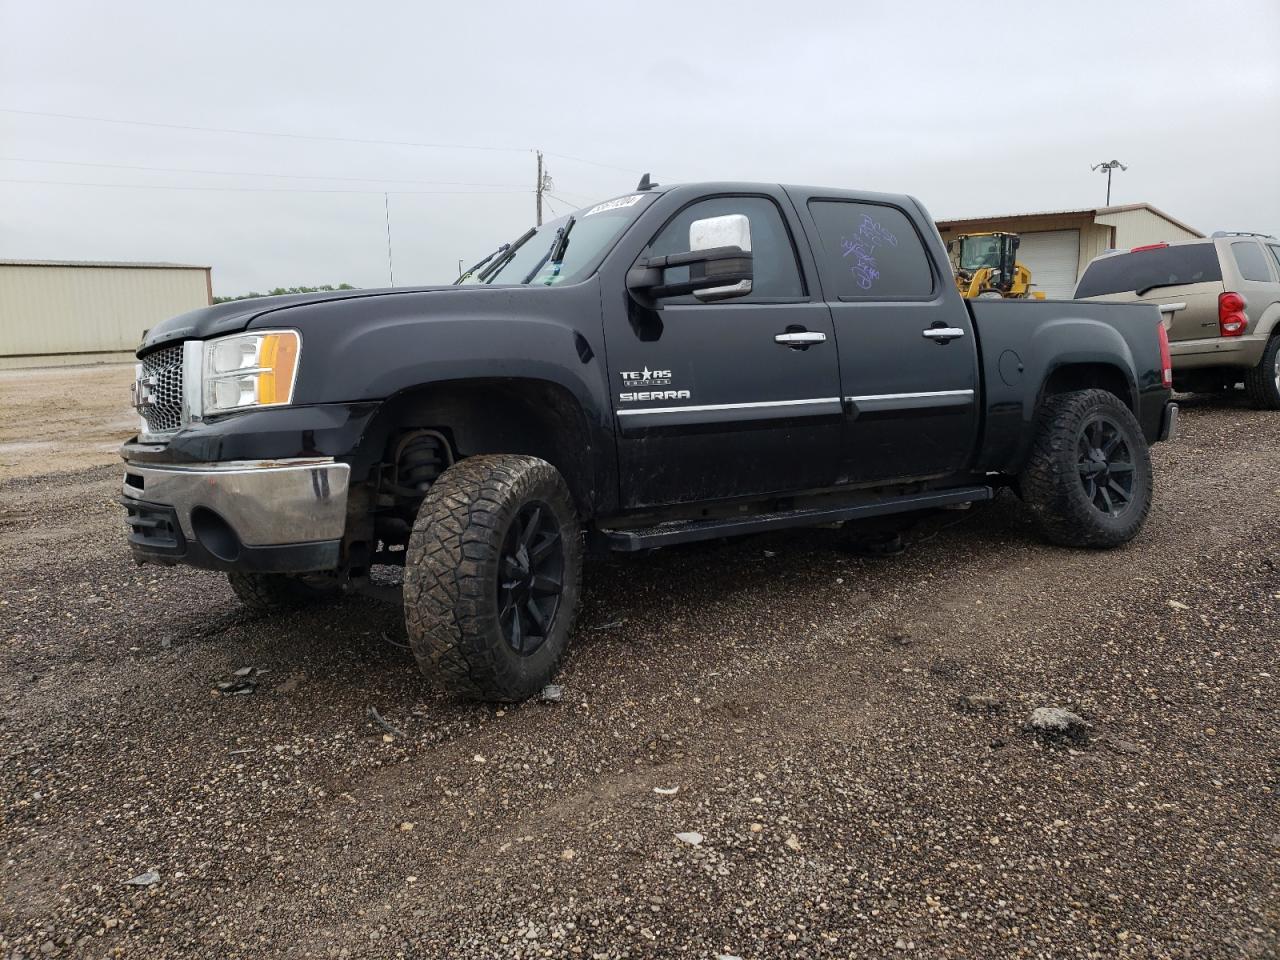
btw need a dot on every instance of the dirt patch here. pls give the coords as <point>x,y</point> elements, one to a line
<point>60,419</point>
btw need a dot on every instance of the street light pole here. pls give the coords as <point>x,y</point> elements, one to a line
<point>1110,167</point>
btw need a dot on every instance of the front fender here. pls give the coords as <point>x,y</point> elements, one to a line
<point>371,349</point>
<point>376,348</point>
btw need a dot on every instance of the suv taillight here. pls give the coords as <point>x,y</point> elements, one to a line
<point>1231,318</point>
<point>1166,361</point>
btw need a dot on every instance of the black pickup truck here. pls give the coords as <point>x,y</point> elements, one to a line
<point>675,364</point>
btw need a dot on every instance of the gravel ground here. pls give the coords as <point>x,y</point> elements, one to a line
<point>848,736</point>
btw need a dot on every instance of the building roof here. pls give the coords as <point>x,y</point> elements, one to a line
<point>1084,211</point>
<point>123,264</point>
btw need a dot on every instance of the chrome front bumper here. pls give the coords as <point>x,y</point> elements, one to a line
<point>238,513</point>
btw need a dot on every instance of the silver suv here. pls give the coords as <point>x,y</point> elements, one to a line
<point>1221,302</point>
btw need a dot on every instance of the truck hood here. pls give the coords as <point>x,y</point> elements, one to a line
<point>235,316</point>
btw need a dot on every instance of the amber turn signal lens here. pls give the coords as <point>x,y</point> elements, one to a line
<point>278,360</point>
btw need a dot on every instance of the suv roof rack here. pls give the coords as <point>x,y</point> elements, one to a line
<point>1239,233</point>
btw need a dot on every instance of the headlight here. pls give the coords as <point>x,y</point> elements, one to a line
<point>250,370</point>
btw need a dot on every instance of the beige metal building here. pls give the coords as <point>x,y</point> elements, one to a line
<point>1057,245</point>
<point>61,312</point>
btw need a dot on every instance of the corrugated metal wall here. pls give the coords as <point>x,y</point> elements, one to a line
<point>1095,240</point>
<point>1136,227</point>
<point>60,310</point>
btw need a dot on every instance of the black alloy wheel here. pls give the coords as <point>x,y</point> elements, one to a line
<point>1087,479</point>
<point>530,578</point>
<point>1106,466</point>
<point>492,577</point>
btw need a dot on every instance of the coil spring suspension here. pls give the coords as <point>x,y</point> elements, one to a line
<point>420,459</point>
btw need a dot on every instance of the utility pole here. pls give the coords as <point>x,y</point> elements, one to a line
<point>544,184</point>
<point>386,207</point>
<point>1109,167</point>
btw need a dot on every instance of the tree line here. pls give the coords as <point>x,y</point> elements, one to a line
<point>282,291</point>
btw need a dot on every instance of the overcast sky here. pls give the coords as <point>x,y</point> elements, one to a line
<point>974,108</point>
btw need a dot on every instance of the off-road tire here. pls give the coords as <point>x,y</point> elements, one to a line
<point>272,592</point>
<point>1051,484</point>
<point>1262,383</point>
<point>451,577</point>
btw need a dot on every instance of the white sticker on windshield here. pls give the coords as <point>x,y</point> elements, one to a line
<point>630,201</point>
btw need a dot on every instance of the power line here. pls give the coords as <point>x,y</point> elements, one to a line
<point>250,173</point>
<point>567,203</point>
<point>157,186</point>
<point>268,133</point>
<point>309,136</point>
<point>582,197</point>
<point>594,163</point>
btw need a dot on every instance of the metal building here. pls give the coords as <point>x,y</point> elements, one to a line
<point>1057,245</point>
<point>62,312</point>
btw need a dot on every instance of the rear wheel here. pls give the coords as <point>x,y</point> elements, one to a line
<point>492,577</point>
<point>269,592</point>
<point>1263,382</point>
<point>1088,479</point>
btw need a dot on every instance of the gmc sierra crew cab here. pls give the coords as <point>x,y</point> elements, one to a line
<point>675,364</point>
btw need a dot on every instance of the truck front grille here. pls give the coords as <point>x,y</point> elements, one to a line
<point>160,400</point>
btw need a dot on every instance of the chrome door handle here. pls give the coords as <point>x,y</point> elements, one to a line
<point>942,334</point>
<point>800,339</point>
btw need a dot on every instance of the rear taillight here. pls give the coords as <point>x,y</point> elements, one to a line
<point>1166,361</point>
<point>1231,318</point>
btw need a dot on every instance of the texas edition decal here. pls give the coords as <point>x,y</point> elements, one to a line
<point>647,378</point>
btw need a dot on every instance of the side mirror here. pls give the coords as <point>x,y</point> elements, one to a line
<point>719,264</point>
<point>717,233</point>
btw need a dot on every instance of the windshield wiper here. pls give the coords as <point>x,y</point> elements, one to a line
<point>504,253</point>
<point>476,266</point>
<point>1156,286</point>
<point>555,253</point>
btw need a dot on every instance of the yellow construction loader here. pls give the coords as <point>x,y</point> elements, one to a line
<point>985,266</point>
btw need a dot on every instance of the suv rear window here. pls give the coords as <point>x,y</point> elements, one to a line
<point>1148,269</point>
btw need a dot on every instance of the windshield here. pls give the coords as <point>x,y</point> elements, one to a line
<point>577,239</point>
<point>979,252</point>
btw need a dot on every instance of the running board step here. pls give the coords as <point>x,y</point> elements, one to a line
<point>687,531</point>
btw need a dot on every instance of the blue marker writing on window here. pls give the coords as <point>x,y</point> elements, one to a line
<point>862,247</point>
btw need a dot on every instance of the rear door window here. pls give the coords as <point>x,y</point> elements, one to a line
<point>1251,260</point>
<point>1275,252</point>
<point>1145,271</point>
<point>870,251</point>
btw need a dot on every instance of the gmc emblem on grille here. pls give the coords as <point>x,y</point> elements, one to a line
<point>143,392</point>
